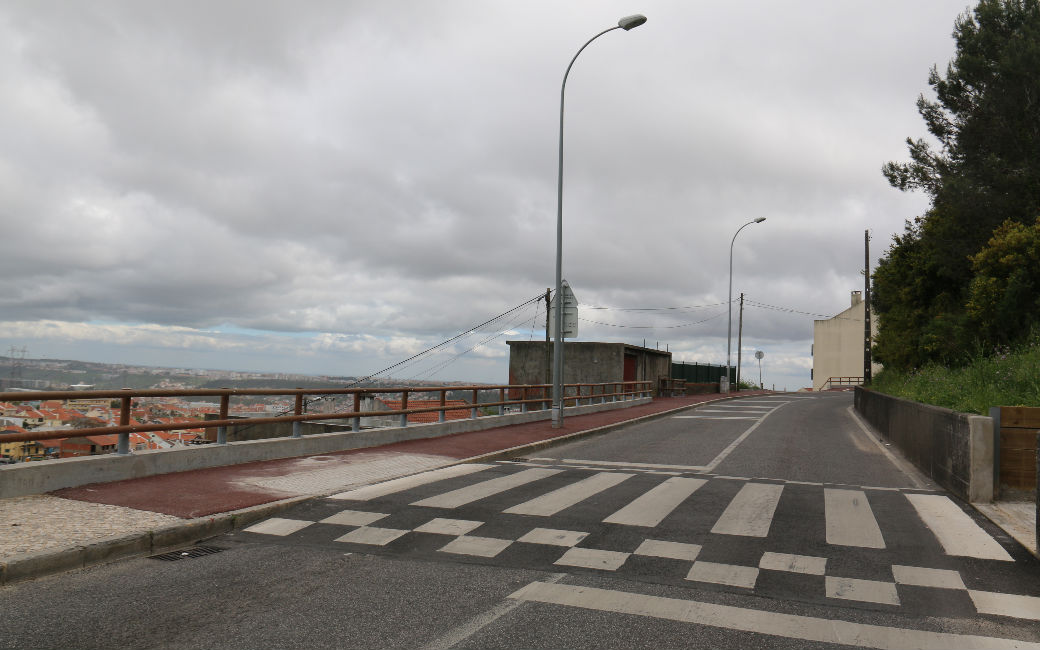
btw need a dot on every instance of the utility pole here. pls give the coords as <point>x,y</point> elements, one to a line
<point>740,336</point>
<point>866,308</point>
<point>548,354</point>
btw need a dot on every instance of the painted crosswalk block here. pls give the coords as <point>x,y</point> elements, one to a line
<point>600,519</point>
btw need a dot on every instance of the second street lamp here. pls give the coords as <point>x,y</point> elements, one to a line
<point>729,305</point>
<point>626,23</point>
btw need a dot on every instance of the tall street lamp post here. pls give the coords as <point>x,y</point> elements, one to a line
<point>626,23</point>
<point>729,334</point>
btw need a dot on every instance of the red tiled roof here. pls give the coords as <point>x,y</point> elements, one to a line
<point>431,416</point>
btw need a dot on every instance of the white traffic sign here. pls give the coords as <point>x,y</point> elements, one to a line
<point>570,313</point>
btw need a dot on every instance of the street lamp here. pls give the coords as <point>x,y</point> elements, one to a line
<point>729,334</point>
<point>626,23</point>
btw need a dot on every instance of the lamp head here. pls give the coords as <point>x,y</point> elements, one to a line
<point>631,22</point>
<point>760,220</point>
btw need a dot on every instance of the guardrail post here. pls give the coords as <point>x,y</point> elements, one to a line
<point>523,400</point>
<point>123,445</point>
<point>356,426</point>
<point>501,399</point>
<point>473,411</point>
<point>442,415</point>
<point>297,426</point>
<point>404,405</point>
<point>222,431</point>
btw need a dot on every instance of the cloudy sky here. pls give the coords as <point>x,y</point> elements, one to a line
<point>332,187</point>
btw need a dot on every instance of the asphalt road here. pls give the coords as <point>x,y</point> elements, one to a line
<point>765,522</point>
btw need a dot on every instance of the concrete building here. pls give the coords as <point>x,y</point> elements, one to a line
<point>837,349</point>
<point>588,363</point>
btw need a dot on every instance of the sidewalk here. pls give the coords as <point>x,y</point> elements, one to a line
<point>102,522</point>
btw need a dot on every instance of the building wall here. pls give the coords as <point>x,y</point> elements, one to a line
<point>838,344</point>
<point>587,362</point>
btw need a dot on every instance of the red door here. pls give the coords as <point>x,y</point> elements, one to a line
<point>630,368</point>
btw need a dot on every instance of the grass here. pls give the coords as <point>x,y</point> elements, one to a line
<point>1004,378</point>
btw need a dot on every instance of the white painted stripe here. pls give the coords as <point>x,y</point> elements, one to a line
<point>656,504</point>
<point>565,497</point>
<point>865,591</point>
<point>736,443</point>
<point>408,482</point>
<point>710,417</point>
<point>729,411</point>
<point>612,463</point>
<point>923,577</point>
<point>485,489</point>
<point>775,624</point>
<point>808,564</point>
<point>750,513</point>
<point>987,602</point>
<point>957,533</point>
<point>850,521</point>
<point>724,574</point>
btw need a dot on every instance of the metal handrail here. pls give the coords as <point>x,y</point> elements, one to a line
<point>127,395</point>
<point>843,381</point>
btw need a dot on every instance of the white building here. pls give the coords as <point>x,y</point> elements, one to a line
<point>837,350</point>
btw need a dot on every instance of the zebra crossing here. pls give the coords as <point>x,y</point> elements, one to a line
<point>726,531</point>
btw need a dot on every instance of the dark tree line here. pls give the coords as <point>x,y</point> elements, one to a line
<point>965,276</point>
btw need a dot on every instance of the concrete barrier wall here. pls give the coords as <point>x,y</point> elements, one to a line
<point>953,449</point>
<point>45,476</point>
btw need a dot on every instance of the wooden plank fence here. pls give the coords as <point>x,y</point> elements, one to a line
<point>1018,428</point>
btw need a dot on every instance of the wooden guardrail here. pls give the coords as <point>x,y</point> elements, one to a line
<point>1017,439</point>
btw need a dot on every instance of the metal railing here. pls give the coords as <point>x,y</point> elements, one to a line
<point>836,382</point>
<point>525,396</point>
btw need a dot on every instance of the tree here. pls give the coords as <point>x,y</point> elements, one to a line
<point>986,170</point>
<point>1004,297</point>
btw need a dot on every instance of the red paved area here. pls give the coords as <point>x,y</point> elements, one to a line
<point>204,492</point>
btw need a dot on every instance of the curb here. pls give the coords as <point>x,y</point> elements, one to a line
<point>28,566</point>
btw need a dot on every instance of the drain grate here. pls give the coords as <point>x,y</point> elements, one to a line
<point>187,553</point>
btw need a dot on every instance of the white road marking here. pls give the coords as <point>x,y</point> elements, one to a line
<point>776,624</point>
<point>553,537</point>
<point>371,536</point>
<point>456,636</point>
<point>565,497</point>
<point>670,550</point>
<point>656,504</point>
<point>476,546</point>
<point>485,489</point>
<point>736,443</point>
<point>724,574</point>
<point>956,531</point>
<point>850,521</point>
<point>278,526</point>
<point>591,558</point>
<point>613,463</point>
<point>750,513</point>
<point>408,482</point>
<point>987,602</point>
<point>866,591</point>
<point>922,577</point>
<point>711,417</point>
<point>440,526</point>
<point>808,564</point>
<point>353,518</point>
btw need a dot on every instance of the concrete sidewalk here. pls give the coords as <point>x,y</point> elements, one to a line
<point>102,522</point>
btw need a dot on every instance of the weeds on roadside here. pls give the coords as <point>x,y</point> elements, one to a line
<point>1004,377</point>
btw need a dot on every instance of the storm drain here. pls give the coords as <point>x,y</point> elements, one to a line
<point>187,553</point>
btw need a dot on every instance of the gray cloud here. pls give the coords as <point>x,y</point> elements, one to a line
<point>389,169</point>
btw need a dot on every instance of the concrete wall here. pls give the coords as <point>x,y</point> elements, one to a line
<point>838,344</point>
<point>45,476</point>
<point>953,449</point>
<point>587,363</point>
